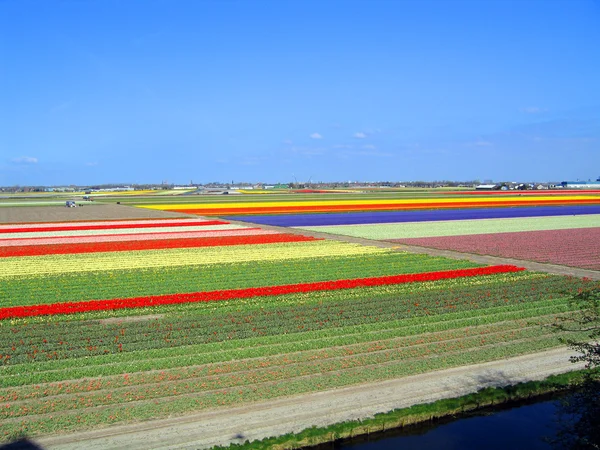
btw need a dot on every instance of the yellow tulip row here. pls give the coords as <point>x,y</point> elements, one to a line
<point>55,264</point>
<point>352,202</point>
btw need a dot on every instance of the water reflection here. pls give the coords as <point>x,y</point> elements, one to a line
<point>530,426</point>
<point>578,424</point>
<point>553,423</point>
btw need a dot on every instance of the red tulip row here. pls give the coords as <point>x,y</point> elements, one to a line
<point>97,247</point>
<point>229,294</point>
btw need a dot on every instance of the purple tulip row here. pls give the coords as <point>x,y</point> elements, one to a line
<point>305,220</point>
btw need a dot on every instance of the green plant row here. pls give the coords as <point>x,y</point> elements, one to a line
<point>93,339</point>
<point>548,284</point>
<point>253,372</point>
<point>178,404</point>
<point>445,292</point>
<point>171,357</point>
<point>272,344</point>
<point>330,348</point>
<point>46,288</point>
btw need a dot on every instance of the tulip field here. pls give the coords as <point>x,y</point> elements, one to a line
<point>119,321</point>
<point>368,203</point>
<point>430,219</point>
<point>557,227</point>
<point>571,240</point>
<point>577,247</point>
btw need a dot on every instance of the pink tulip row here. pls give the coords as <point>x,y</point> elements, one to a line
<point>134,237</point>
<point>578,247</point>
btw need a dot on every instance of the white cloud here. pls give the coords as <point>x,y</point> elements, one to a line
<point>369,147</point>
<point>316,136</point>
<point>533,110</point>
<point>91,164</point>
<point>287,142</point>
<point>25,160</point>
<point>360,135</point>
<point>341,146</point>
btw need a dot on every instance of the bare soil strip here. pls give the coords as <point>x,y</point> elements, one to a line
<point>90,211</point>
<point>294,414</point>
<point>125,319</point>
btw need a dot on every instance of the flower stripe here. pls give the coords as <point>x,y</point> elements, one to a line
<point>119,231</point>
<point>405,230</point>
<point>570,247</point>
<point>362,202</point>
<point>74,223</point>
<point>230,294</point>
<point>135,237</point>
<point>373,217</point>
<point>99,247</point>
<point>178,257</point>
<point>111,226</point>
<point>367,207</point>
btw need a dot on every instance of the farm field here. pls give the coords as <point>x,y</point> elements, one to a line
<point>50,197</point>
<point>469,217</point>
<point>351,203</point>
<point>349,218</point>
<point>65,372</point>
<point>406,230</point>
<point>569,240</point>
<point>91,211</point>
<point>118,321</point>
<point>570,247</point>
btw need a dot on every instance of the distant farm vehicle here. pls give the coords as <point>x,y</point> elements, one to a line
<point>71,204</point>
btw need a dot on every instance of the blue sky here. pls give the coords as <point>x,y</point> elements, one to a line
<point>101,91</point>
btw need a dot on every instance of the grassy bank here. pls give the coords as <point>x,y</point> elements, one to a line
<point>416,414</point>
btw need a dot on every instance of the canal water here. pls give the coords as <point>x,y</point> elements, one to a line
<point>528,426</point>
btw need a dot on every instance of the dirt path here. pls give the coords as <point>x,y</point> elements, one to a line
<point>293,414</point>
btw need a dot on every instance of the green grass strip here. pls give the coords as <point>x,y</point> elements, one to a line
<point>415,414</point>
<point>145,410</point>
<point>243,373</point>
<point>406,230</point>
<point>173,357</point>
